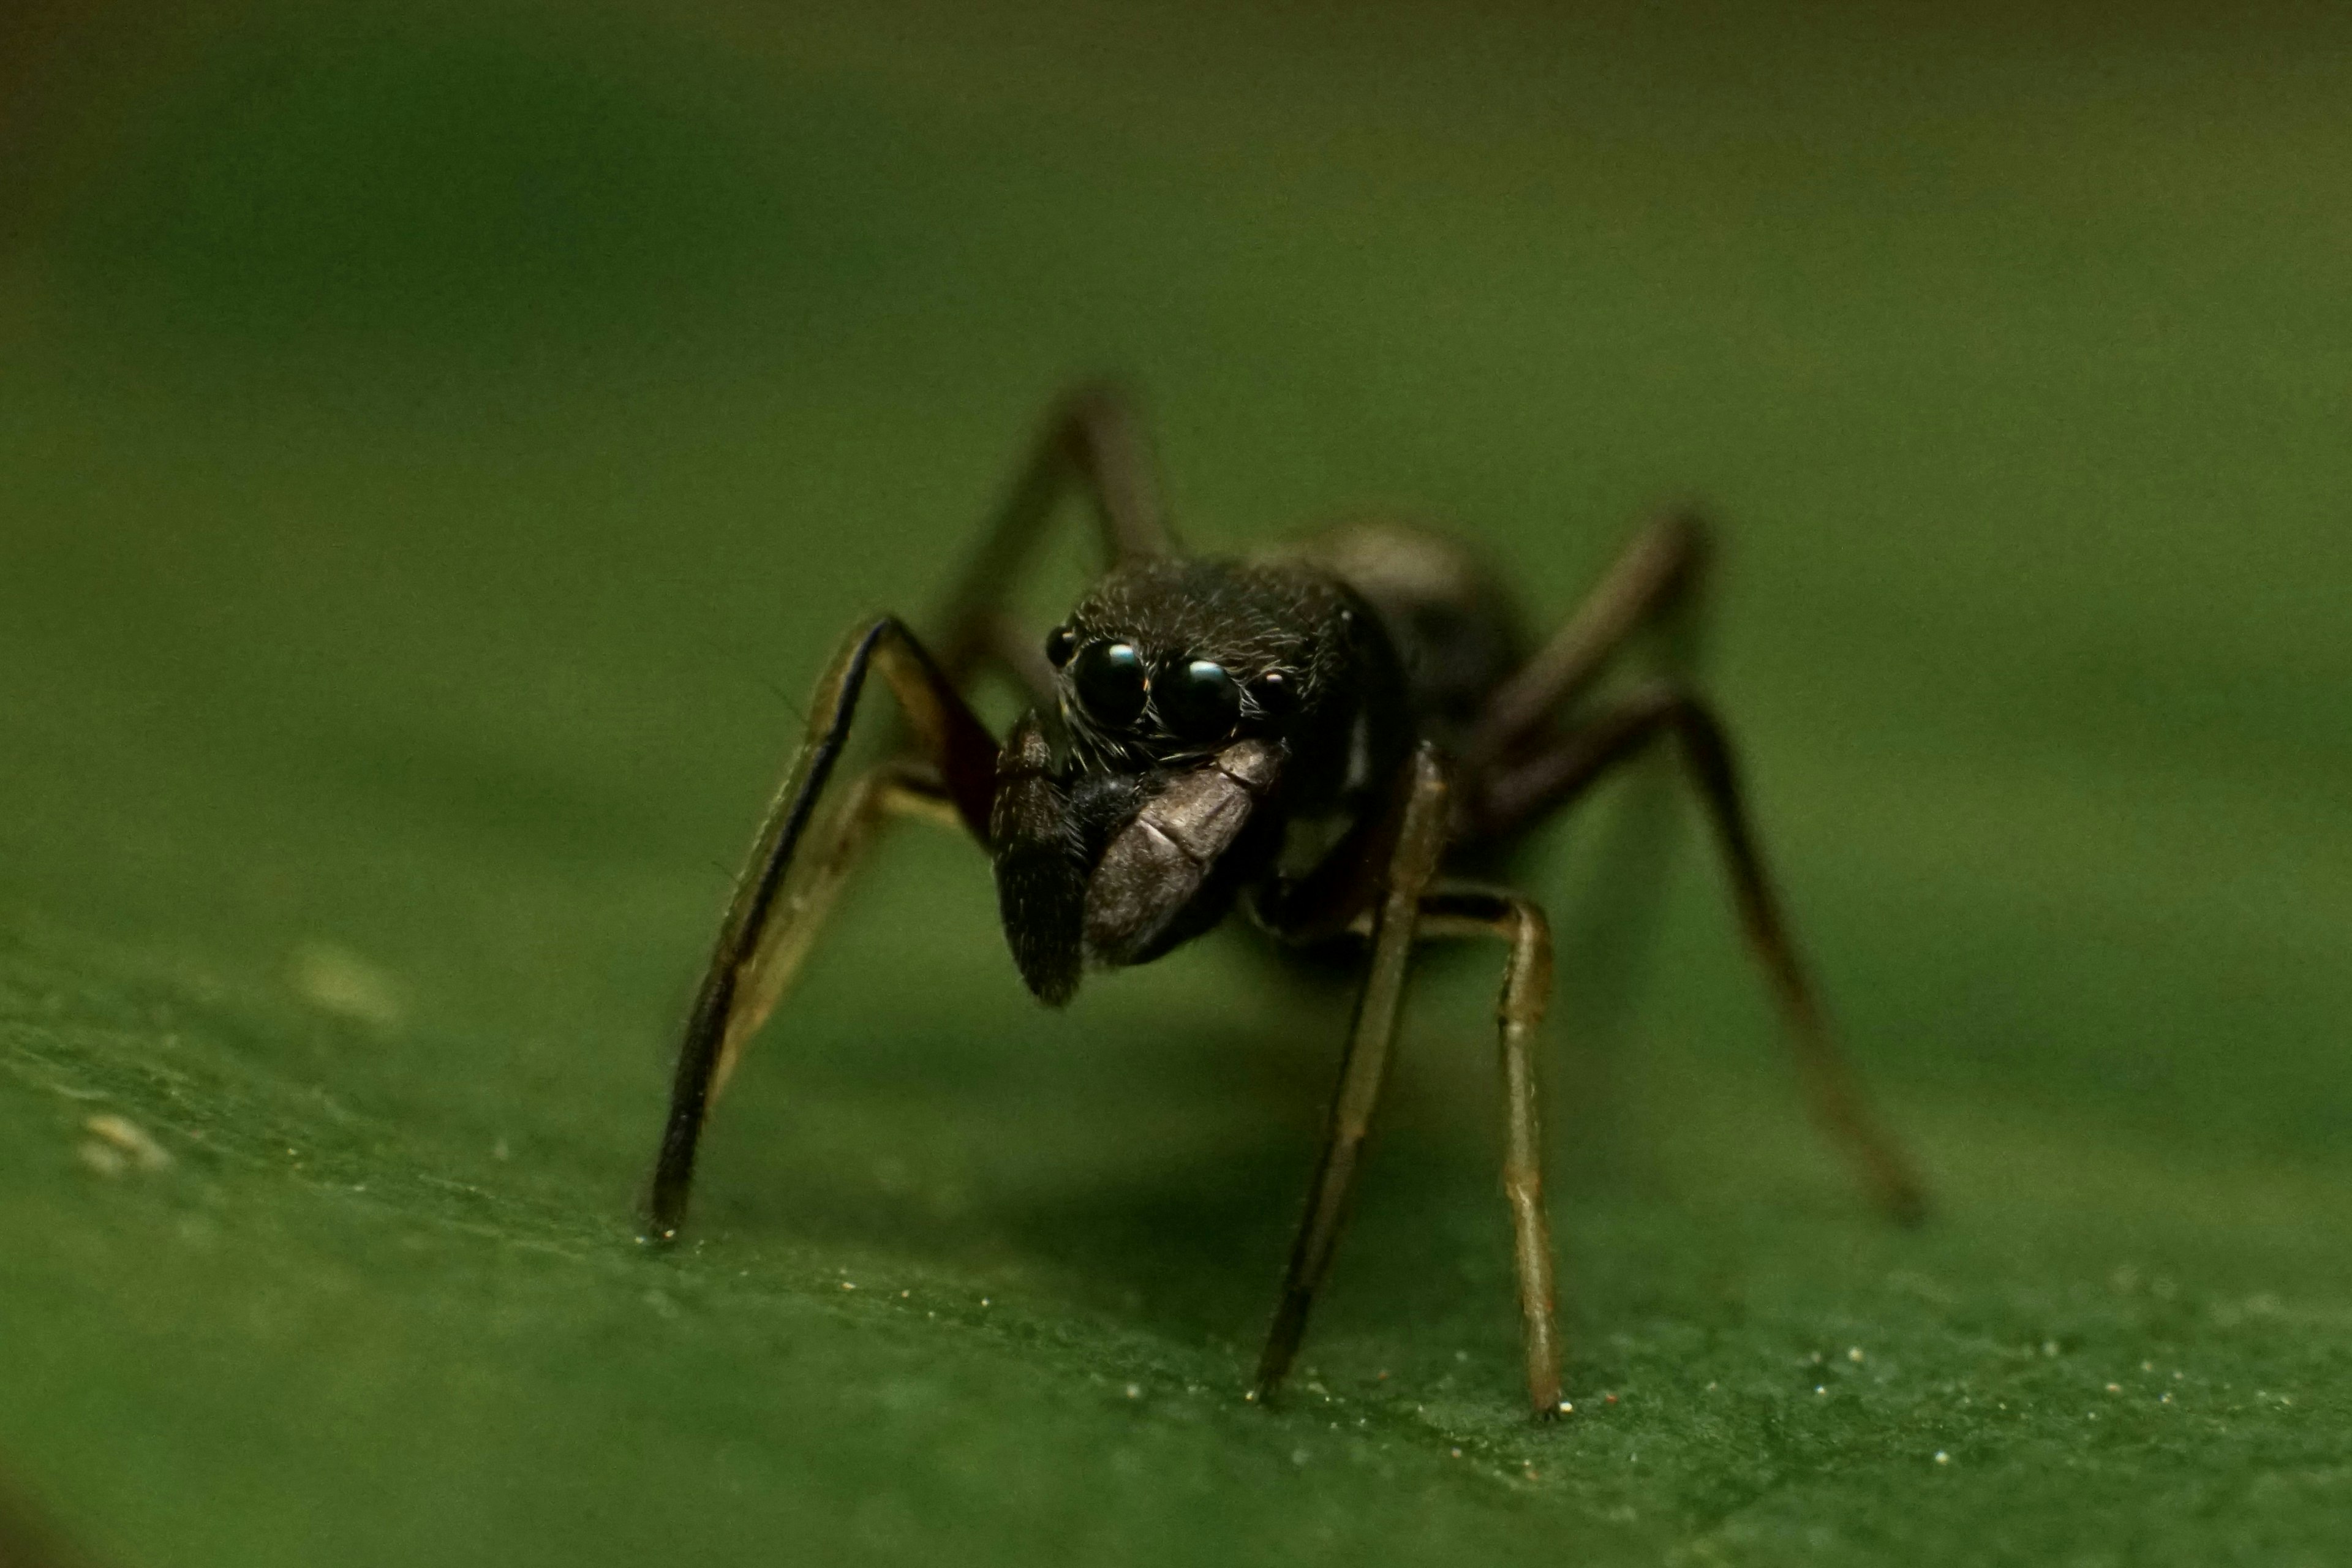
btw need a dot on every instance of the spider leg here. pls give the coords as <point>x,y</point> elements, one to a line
<point>946,767</point>
<point>1092,439</point>
<point>1555,775</point>
<point>1465,910</point>
<point>1654,573</point>
<point>788,882</point>
<point>1652,596</point>
<point>900,787</point>
<point>1411,863</point>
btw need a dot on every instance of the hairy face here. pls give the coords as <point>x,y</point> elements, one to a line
<point>1189,693</point>
<point>1170,660</point>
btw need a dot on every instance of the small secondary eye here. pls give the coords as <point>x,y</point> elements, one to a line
<point>1109,679</point>
<point>1060,644</point>
<point>1199,701</point>
<point>1277,694</point>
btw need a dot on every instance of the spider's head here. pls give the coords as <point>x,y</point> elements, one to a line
<point>1193,698</point>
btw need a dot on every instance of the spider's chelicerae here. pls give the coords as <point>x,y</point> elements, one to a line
<point>1317,740</point>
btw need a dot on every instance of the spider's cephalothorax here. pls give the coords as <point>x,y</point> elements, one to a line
<point>1333,739</point>
<point>1198,708</point>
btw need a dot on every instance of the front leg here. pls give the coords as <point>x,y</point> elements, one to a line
<point>782,892</point>
<point>1527,991</point>
<point>1410,910</point>
<point>1420,843</point>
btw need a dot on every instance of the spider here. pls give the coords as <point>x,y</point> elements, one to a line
<point>1321,741</point>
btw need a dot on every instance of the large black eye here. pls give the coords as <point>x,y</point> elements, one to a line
<point>1198,701</point>
<point>1110,682</point>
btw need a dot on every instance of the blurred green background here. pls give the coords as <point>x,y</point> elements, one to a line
<point>440,443</point>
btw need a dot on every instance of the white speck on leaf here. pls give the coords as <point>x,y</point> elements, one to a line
<point>118,1143</point>
<point>336,980</point>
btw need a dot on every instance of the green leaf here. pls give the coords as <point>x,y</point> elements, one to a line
<point>441,445</point>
